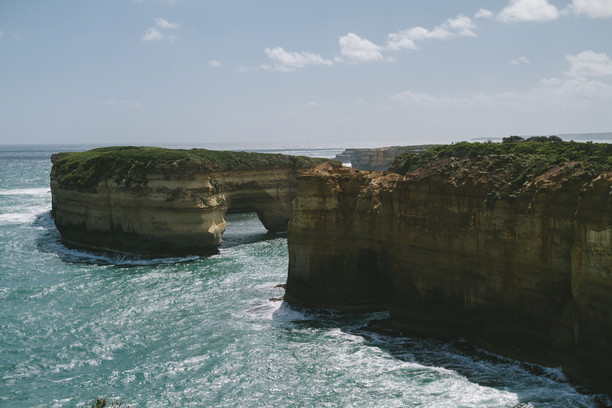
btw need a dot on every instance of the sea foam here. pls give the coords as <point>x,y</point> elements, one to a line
<point>36,192</point>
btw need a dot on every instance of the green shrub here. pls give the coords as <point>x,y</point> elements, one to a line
<point>130,164</point>
<point>510,166</point>
<point>540,155</point>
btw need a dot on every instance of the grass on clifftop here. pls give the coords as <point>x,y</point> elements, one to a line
<point>130,164</point>
<point>510,166</point>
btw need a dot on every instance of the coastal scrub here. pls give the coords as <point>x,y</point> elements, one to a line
<point>512,166</point>
<point>130,164</point>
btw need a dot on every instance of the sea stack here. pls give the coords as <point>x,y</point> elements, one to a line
<point>166,202</point>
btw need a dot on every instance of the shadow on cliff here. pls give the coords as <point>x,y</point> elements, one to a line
<point>243,228</point>
<point>50,242</point>
<point>533,385</point>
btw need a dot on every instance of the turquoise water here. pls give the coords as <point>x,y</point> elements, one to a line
<point>203,331</point>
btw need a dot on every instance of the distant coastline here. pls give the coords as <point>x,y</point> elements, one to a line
<point>283,147</point>
<point>577,137</point>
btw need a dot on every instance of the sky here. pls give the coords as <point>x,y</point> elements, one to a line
<point>312,73</point>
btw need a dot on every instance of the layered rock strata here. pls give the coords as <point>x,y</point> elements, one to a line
<point>528,275</point>
<point>377,159</point>
<point>165,210</point>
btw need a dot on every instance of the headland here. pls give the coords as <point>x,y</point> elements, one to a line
<point>506,244</point>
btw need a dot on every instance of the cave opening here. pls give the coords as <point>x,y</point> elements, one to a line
<point>244,226</point>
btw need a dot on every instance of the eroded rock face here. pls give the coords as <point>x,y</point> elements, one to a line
<point>171,213</point>
<point>377,159</point>
<point>528,276</point>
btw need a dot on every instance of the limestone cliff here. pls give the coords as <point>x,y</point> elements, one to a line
<point>167,202</point>
<point>377,159</point>
<point>464,246</point>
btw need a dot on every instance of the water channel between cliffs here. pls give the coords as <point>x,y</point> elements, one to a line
<point>267,254</point>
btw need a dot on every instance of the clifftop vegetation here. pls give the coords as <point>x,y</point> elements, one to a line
<point>513,165</point>
<point>130,164</point>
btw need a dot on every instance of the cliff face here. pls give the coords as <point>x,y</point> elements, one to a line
<point>528,275</point>
<point>161,211</point>
<point>377,159</point>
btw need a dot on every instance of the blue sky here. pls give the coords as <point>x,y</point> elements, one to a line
<point>310,73</point>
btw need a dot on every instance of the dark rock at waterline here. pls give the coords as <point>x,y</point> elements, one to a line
<point>527,274</point>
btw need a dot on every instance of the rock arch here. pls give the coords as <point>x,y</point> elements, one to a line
<point>169,212</point>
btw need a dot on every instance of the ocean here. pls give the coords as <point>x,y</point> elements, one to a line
<point>208,331</point>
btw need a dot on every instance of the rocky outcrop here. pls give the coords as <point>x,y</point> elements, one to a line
<point>173,208</point>
<point>527,274</point>
<point>377,159</point>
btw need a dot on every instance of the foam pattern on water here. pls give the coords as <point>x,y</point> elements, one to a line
<point>202,331</point>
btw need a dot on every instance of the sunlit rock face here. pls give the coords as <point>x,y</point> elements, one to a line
<point>174,212</point>
<point>378,159</point>
<point>529,275</point>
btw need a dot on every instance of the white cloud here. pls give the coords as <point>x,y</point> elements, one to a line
<point>1,33</point>
<point>589,63</point>
<point>520,60</point>
<point>461,25</point>
<point>153,34</point>
<point>453,27</point>
<point>290,61</point>
<point>528,10</point>
<point>406,39</point>
<point>214,63</point>
<point>547,92</point>
<point>441,100</point>
<point>483,13</point>
<point>572,90</point>
<point>416,98</point>
<point>358,49</point>
<point>592,8</point>
<point>569,91</point>
<point>165,24</point>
